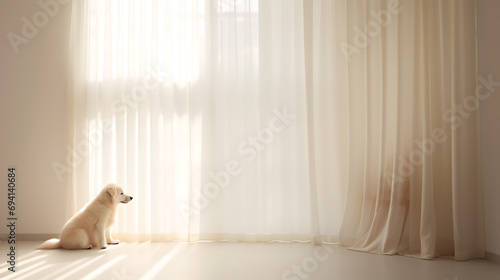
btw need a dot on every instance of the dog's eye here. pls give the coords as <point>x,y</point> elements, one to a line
<point>121,193</point>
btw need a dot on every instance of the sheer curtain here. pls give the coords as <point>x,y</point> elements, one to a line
<point>281,120</point>
<point>198,107</point>
<point>405,76</point>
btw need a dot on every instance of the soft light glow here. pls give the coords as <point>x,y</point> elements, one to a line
<point>28,275</point>
<point>153,271</point>
<point>103,268</point>
<point>69,273</point>
<point>126,39</point>
<point>65,268</point>
<point>24,270</point>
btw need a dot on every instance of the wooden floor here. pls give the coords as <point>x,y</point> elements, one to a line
<point>233,261</point>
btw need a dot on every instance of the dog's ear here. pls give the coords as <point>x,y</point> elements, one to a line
<point>110,192</point>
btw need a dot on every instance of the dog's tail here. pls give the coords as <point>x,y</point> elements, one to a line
<point>53,243</point>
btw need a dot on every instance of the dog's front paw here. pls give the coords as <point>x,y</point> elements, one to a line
<point>114,242</point>
<point>104,247</point>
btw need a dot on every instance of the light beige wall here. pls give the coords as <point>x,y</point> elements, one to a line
<point>489,63</point>
<point>33,114</point>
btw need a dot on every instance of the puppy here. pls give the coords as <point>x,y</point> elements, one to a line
<point>90,227</point>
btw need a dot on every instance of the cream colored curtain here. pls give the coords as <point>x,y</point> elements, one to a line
<point>281,120</point>
<point>396,82</point>
<point>197,109</point>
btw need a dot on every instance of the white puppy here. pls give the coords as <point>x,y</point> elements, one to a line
<point>90,227</point>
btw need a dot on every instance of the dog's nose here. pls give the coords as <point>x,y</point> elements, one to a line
<point>131,198</point>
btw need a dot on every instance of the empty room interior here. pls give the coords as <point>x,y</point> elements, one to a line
<point>250,139</point>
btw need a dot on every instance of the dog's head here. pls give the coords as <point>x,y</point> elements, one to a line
<point>114,194</point>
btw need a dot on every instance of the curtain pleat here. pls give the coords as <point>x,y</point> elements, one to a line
<point>410,72</point>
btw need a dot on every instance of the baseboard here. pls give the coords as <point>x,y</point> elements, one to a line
<point>492,257</point>
<point>30,237</point>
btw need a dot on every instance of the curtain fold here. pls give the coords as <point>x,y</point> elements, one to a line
<point>249,120</point>
<point>408,79</point>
